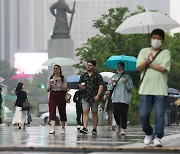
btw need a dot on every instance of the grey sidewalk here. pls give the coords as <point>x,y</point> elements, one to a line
<point>37,139</point>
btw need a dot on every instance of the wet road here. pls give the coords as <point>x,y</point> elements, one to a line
<point>36,139</point>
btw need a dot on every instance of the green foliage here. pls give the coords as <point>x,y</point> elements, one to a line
<point>173,44</point>
<point>133,113</point>
<point>6,72</point>
<point>37,90</point>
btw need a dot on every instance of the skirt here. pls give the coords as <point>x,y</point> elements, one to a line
<point>20,116</point>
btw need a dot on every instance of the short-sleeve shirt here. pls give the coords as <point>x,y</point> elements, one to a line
<point>92,83</point>
<point>155,82</point>
<point>55,86</point>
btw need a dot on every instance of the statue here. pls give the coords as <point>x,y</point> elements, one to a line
<point>61,27</point>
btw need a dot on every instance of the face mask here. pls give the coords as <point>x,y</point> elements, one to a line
<point>156,43</point>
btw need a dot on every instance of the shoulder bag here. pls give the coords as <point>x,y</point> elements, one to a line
<point>26,105</point>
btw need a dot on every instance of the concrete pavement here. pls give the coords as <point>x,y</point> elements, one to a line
<point>37,140</point>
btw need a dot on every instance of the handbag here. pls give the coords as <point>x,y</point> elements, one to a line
<point>68,97</point>
<point>26,105</point>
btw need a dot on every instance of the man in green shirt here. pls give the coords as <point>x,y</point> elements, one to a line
<point>153,88</point>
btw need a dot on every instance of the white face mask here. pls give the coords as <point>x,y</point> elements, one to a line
<point>155,43</point>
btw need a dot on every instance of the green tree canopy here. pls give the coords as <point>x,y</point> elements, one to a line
<point>6,72</point>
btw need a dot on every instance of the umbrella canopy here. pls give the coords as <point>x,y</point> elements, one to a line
<point>61,61</point>
<point>73,78</point>
<point>106,76</point>
<point>72,81</point>
<point>1,79</point>
<point>21,76</point>
<point>145,22</point>
<point>129,61</point>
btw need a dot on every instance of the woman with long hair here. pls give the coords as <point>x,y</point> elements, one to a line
<point>57,89</point>
<point>20,116</point>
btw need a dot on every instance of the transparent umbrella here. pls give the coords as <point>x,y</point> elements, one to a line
<point>106,76</point>
<point>61,61</point>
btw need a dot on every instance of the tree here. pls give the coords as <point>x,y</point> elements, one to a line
<point>6,72</point>
<point>108,43</point>
<point>173,44</point>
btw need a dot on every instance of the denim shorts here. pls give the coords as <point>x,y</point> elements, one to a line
<point>87,105</point>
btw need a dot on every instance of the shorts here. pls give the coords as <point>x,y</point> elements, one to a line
<point>87,105</point>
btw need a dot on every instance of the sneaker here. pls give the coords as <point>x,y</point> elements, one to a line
<point>118,129</point>
<point>94,132</point>
<point>157,142</point>
<point>148,139</point>
<point>78,127</point>
<point>84,131</point>
<point>123,132</point>
<point>63,131</point>
<point>52,131</point>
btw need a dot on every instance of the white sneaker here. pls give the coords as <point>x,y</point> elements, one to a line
<point>118,129</point>
<point>148,139</point>
<point>52,131</point>
<point>63,131</point>
<point>123,132</point>
<point>157,142</point>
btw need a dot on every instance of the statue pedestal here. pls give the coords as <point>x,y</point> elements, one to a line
<point>61,48</point>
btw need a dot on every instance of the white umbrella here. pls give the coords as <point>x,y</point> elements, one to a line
<point>106,76</point>
<point>146,22</point>
<point>61,61</point>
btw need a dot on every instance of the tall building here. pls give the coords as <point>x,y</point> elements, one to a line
<point>26,25</point>
<point>22,27</point>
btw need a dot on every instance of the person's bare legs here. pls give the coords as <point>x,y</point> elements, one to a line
<point>85,118</point>
<point>95,120</point>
